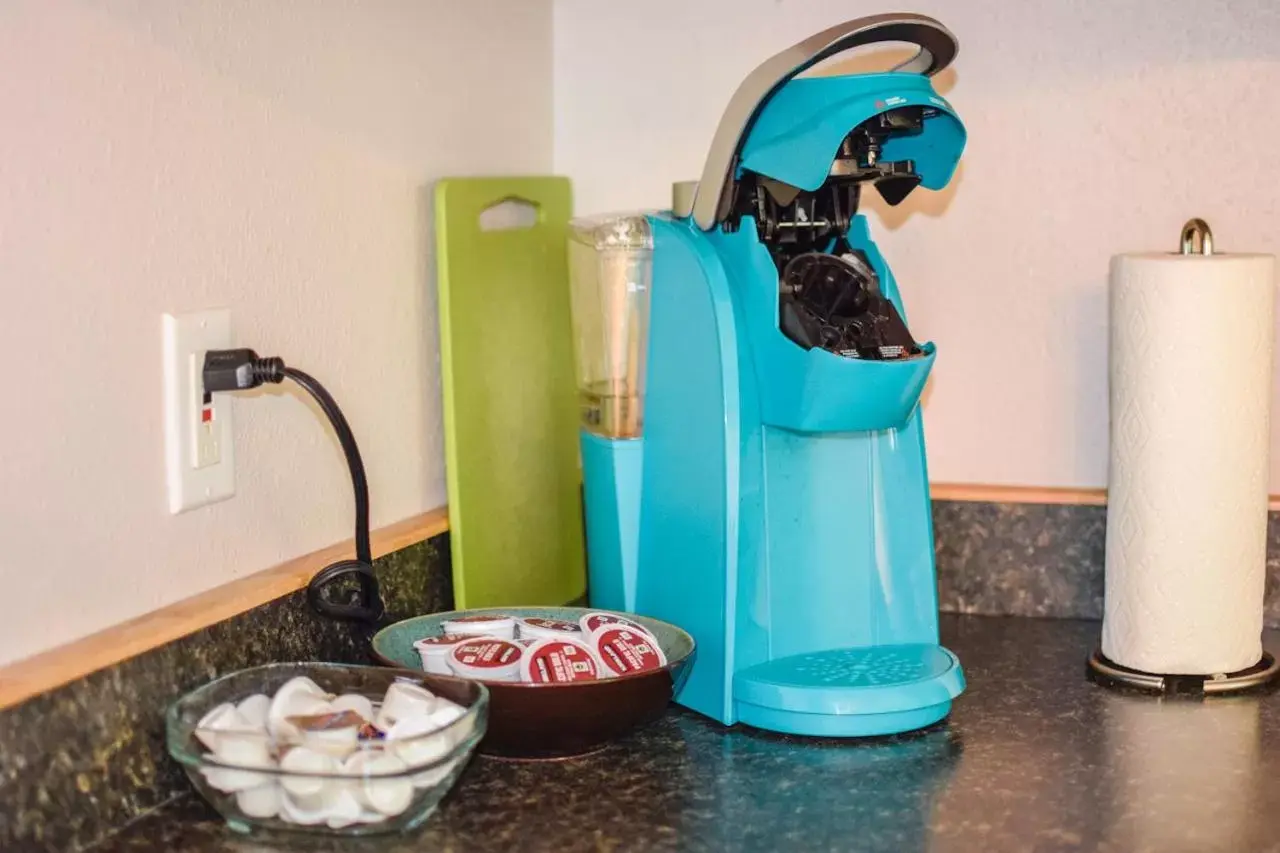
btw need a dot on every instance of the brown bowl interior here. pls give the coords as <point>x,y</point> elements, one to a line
<point>539,721</point>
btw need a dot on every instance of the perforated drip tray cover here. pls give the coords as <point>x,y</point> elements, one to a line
<point>859,680</point>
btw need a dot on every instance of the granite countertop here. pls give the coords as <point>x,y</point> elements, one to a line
<point>1033,757</point>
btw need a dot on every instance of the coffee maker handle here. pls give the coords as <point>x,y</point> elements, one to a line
<point>937,48</point>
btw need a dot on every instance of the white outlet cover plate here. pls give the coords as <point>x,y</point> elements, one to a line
<point>199,459</point>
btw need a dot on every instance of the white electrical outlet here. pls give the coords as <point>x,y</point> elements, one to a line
<point>199,458</point>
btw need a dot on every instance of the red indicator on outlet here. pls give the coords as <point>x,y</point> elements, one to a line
<point>206,415</point>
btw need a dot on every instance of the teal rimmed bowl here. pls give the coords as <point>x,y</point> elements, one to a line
<point>536,721</point>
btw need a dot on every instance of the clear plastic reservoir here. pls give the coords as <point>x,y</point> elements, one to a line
<point>610,273</point>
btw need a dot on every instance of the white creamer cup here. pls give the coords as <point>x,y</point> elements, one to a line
<point>419,741</point>
<point>404,699</point>
<point>354,702</point>
<point>309,794</point>
<point>482,625</point>
<point>254,710</point>
<point>374,790</point>
<point>237,750</point>
<point>292,811</point>
<point>260,801</point>
<point>434,652</point>
<point>344,809</point>
<point>222,718</point>
<point>487,659</point>
<point>297,697</point>
<point>339,741</point>
<point>232,780</point>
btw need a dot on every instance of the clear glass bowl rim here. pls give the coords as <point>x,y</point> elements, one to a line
<point>179,734</point>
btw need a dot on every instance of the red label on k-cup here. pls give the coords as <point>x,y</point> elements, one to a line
<point>624,651</point>
<point>556,661</point>
<point>484,617</point>
<point>488,654</point>
<point>552,624</point>
<point>593,622</point>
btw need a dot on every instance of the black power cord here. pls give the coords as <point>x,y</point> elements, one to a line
<point>239,369</point>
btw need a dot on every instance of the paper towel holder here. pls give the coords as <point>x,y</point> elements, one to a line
<point>1107,672</point>
<point>1112,674</point>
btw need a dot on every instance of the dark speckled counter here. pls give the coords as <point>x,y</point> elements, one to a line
<point>1033,758</point>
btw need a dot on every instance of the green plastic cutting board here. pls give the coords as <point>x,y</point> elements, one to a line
<point>510,400</point>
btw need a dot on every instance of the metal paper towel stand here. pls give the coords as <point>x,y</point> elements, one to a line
<point>1108,672</point>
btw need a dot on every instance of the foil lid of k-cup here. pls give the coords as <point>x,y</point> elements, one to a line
<point>559,660</point>
<point>623,651</point>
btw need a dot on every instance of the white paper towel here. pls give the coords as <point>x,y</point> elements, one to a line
<point>1190,360</point>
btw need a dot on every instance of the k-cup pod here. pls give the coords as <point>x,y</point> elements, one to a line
<point>559,660</point>
<point>538,628</point>
<point>483,625</point>
<point>487,659</point>
<point>623,650</point>
<point>354,702</point>
<point>434,652</point>
<point>592,622</point>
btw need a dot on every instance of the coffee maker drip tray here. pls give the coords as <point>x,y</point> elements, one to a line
<point>851,692</point>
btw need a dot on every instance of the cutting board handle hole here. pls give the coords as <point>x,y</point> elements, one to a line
<point>511,214</point>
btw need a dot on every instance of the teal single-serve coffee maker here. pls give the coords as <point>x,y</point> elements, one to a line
<point>752,447</point>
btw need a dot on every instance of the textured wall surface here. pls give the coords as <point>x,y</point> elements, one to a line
<point>273,158</point>
<point>1094,128</point>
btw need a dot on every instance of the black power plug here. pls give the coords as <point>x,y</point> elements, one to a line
<point>240,369</point>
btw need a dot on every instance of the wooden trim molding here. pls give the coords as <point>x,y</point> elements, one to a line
<point>1032,495</point>
<point>45,671</point>
<point>1016,494</point>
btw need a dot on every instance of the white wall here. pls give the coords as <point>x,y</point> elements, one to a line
<point>1094,128</point>
<point>274,158</point>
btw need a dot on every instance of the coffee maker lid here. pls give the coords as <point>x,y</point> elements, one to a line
<point>938,48</point>
<point>797,134</point>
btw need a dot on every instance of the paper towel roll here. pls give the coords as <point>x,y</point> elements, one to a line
<point>1190,360</point>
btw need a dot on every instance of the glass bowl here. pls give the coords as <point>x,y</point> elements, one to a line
<point>384,786</point>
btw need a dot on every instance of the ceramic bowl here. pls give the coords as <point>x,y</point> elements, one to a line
<point>532,721</point>
<point>388,786</point>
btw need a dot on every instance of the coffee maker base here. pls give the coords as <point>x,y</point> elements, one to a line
<point>852,692</point>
